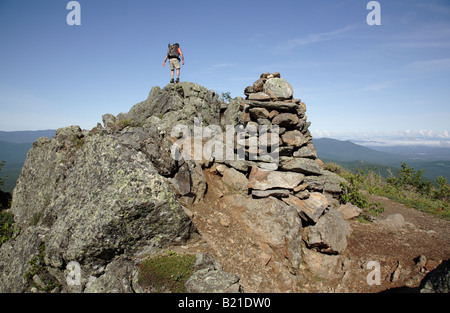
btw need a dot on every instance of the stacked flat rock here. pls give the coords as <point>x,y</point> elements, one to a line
<point>270,102</point>
<point>297,176</point>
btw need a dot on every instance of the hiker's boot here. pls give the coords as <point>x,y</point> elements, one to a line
<point>178,80</point>
<point>171,81</point>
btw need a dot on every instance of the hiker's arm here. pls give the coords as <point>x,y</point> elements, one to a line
<point>165,59</point>
<point>182,57</point>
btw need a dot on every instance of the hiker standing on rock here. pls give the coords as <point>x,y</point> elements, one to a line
<point>174,53</point>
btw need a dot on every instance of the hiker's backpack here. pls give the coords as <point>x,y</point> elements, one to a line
<point>173,51</point>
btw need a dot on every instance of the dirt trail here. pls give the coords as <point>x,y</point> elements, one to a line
<point>242,252</point>
<point>423,234</point>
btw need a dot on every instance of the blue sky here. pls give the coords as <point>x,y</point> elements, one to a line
<point>354,78</point>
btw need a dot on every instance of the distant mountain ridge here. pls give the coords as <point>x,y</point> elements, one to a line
<point>13,149</point>
<point>27,136</point>
<point>338,150</point>
<point>416,153</point>
<point>435,161</point>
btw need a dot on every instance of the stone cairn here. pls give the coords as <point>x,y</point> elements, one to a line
<point>297,177</point>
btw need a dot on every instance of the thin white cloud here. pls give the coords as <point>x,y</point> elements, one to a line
<point>318,37</point>
<point>439,64</point>
<point>435,35</point>
<point>309,39</point>
<point>378,87</point>
<point>221,65</point>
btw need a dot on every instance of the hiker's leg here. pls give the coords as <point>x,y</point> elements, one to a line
<point>171,73</point>
<point>178,75</point>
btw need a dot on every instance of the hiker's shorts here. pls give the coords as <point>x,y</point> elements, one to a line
<point>174,63</point>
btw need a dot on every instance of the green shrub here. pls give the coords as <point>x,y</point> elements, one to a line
<point>409,178</point>
<point>2,163</point>
<point>443,189</point>
<point>225,97</point>
<point>35,219</point>
<point>7,228</point>
<point>37,266</point>
<point>408,187</point>
<point>166,273</point>
<point>5,197</point>
<point>350,193</point>
<point>333,167</point>
<point>121,124</point>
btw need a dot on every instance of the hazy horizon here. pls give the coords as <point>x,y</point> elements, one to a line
<point>370,139</point>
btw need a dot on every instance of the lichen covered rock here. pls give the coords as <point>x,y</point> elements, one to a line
<point>88,199</point>
<point>279,87</point>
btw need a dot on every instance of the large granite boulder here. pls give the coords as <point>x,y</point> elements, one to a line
<point>329,234</point>
<point>89,198</point>
<point>275,223</point>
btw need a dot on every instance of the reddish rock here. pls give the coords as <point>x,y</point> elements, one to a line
<point>285,120</point>
<point>310,208</point>
<point>294,138</point>
<point>263,179</point>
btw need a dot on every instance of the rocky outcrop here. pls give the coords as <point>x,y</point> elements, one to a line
<point>174,104</point>
<point>105,195</point>
<point>102,199</point>
<point>438,280</point>
<point>90,198</point>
